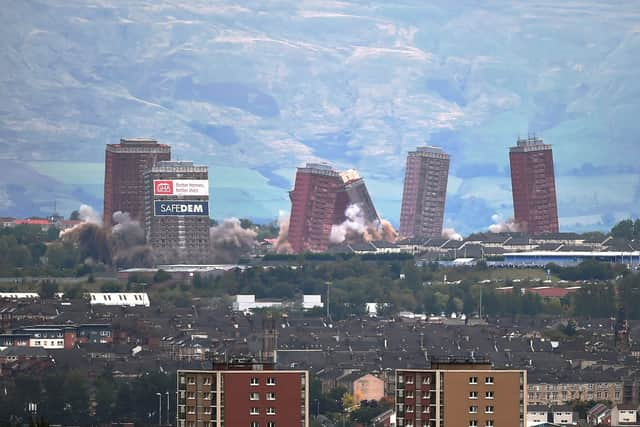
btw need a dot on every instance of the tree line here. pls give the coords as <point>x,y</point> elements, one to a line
<point>403,286</point>
<point>74,398</point>
<point>627,229</point>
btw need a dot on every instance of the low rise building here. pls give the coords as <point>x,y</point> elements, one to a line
<point>461,392</point>
<point>248,302</point>
<point>600,414</point>
<point>561,393</point>
<point>542,258</point>
<point>18,354</point>
<point>123,299</point>
<point>367,387</point>
<point>14,340</point>
<point>413,246</point>
<point>58,336</point>
<point>624,415</point>
<point>309,302</point>
<point>564,415</point>
<point>19,295</point>
<point>385,419</point>
<point>537,415</point>
<point>242,393</point>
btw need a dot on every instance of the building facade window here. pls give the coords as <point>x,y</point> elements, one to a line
<point>473,380</point>
<point>254,396</point>
<point>271,381</point>
<point>488,380</point>
<point>254,411</point>
<point>271,411</point>
<point>473,395</point>
<point>488,395</point>
<point>488,410</point>
<point>271,396</point>
<point>473,409</point>
<point>254,381</point>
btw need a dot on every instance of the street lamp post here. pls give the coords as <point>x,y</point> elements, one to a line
<point>159,408</point>
<point>328,295</point>
<point>168,421</point>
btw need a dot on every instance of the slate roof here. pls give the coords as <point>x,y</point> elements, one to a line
<point>34,352</point>
<point>435,242</point>
<point>537,408</point>
<point>518,241</point>
<point>558,236</point>
<point>362,247</point>
<point>549,246</point>
<point>453,244</point>
<point>496,238</point>
<point>381,244</point>
<point>412,242</point>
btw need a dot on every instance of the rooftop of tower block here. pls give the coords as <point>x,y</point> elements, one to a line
<point>429,151</point>
<point>319,169</point>
<point>349,175</point>
<point>531,143</point>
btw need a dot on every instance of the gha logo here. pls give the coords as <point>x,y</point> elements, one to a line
<point>163,187</point>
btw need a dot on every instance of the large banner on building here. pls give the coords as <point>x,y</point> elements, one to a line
<point>180,208</point>
<point>180,187</point>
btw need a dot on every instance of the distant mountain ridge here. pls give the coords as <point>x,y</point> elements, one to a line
<point>255,88</point>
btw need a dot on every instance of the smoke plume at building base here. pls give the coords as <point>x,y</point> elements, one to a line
<point>500,225</point>
<point>122,246</point>
<point>357,229</point>
<point>282,245</point>
<point>451,234</point>
<point>229,241</point>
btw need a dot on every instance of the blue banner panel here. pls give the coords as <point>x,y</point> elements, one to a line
<point>180,208</point>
